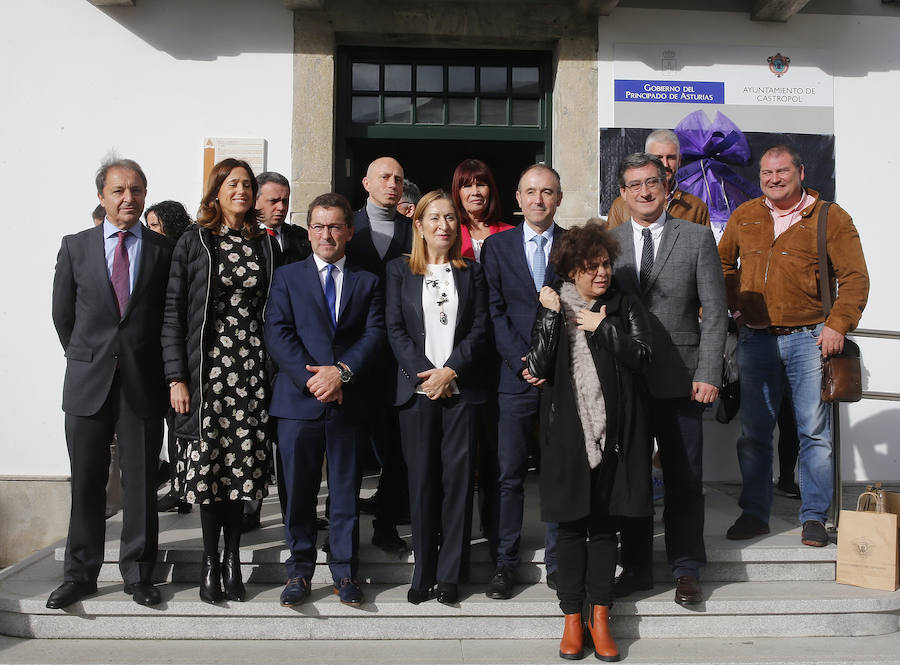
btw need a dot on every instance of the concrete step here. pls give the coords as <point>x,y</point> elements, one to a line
<point>740,609</point>
<point>878,650</point>
<point>776,557</point>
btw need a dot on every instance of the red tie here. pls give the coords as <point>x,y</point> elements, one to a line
<point>120,272</point>
<point>272,233</point>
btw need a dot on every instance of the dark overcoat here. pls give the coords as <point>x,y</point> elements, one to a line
<point>620,348</point>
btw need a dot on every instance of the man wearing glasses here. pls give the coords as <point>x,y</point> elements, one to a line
<point>672,265</point>
<point>324,328</point>
<point>664,144</point>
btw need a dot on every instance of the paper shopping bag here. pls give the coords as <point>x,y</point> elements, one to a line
<point>867,546</point>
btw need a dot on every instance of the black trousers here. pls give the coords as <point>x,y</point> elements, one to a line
<point>678,427</point>
<point>438,443</point>
<point>586,548</point>
<point>140,440</point>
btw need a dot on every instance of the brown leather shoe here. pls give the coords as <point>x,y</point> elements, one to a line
<point>572,645</point>
<point>687,590</point>
<point>604,645</point>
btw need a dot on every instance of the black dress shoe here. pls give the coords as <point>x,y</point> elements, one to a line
<point>211,579</point>
<point>390,542</point>
<point>349,592</point>
<point>144,593</point>
<point>231,577</point>
<point>501,584</point>
<point>69,593</point>
<point>687,590</point>
<point>447,593</point>
<point>416,596</point>
<point>295,591</point>
<point>629,582</point>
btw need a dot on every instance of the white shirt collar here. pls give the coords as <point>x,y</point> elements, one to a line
<point>321,265</point>
<point>655,228</point>
<point>531,233</point>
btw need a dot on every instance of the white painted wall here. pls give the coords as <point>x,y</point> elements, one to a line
<point>150,81</point>
<point>866,61</point>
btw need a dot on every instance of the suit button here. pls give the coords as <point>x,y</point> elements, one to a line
<point>116,356</point>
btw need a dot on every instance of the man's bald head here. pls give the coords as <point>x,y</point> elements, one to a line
<point>384,182</point>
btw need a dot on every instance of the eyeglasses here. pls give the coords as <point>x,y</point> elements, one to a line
<point>323,229</point>
<point>637,185</point>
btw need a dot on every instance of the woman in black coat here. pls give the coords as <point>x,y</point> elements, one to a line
<point>590,344</point>
<point>216,365</point>
<point>436,315</point>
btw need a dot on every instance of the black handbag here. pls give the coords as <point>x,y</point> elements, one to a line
<point>841,373</point>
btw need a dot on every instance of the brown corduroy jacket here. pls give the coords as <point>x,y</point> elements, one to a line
<point>777,282</point>
<point>682,206</point>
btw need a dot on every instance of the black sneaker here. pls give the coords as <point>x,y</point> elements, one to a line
<point>746,527</point>
<point>814,534</point>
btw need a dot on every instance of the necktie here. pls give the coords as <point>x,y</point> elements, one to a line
<point>272,233</point>
<point>120,271</point>
<point>538,262</point>
<point>646,257</point>
<point>331,293</point>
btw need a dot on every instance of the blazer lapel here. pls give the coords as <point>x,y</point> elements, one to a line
<point>412,294</point>
<point>519,259</point>
<point>347,287</point>
<point>462,278</point>
<point>550,273</point>
<point>666,243</point>
<point>149,257</point>
<point>318,293</point>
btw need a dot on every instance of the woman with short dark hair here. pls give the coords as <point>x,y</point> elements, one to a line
<point>215,362</point>
<point>591,344</point>
<point>475,195</point>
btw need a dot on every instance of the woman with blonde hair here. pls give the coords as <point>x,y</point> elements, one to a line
<point>437,318</point>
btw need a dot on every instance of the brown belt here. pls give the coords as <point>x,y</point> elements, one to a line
<point>779,331</point>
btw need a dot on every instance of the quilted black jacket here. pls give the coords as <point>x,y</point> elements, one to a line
<point>189,317</point>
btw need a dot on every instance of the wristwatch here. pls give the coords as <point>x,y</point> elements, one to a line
<point>346,374</point>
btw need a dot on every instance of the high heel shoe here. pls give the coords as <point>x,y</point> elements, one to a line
<point>231,577</point>
<point>598,625</point>
<point>210,579</point>
<point>571,647</point>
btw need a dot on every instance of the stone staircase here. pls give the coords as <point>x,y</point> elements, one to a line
<point>765,598</point>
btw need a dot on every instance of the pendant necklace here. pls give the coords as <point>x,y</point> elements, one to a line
<point>441,287</point>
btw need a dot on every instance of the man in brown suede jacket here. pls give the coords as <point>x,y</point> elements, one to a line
<point>774,297</point>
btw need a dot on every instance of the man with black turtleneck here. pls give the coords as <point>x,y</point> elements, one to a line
<point>381,234</point>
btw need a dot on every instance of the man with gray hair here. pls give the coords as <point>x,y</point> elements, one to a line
<point>109,293</point>
<point>679,204</point>
<point>673,267</point>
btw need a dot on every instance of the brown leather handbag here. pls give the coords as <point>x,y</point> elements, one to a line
<point>841,373</point>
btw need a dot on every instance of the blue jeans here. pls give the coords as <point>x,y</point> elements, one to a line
<point>766,362</point>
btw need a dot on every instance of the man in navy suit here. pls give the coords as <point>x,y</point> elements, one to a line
<point>380,235</point>
<point>324,326</point>
<point>108,298</point>
<point>516,267</point>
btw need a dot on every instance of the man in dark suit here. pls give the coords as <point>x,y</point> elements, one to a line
<point>272,205</point>
<point>516,265</point>
<point>381,234</point>
<point>108,298</point>
<point>672,265</point>
<point>324,325</point>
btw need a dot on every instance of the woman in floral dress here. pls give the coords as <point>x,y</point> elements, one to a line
<point>215,363</point>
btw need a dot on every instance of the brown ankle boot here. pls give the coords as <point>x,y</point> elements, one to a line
<point>572,645</point>
<point>604,645</point>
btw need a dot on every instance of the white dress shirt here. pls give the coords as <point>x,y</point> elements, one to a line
<point>530,247</point>
<point>337,274</point>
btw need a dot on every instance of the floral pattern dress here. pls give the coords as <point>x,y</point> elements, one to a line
<point>232,460</point>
